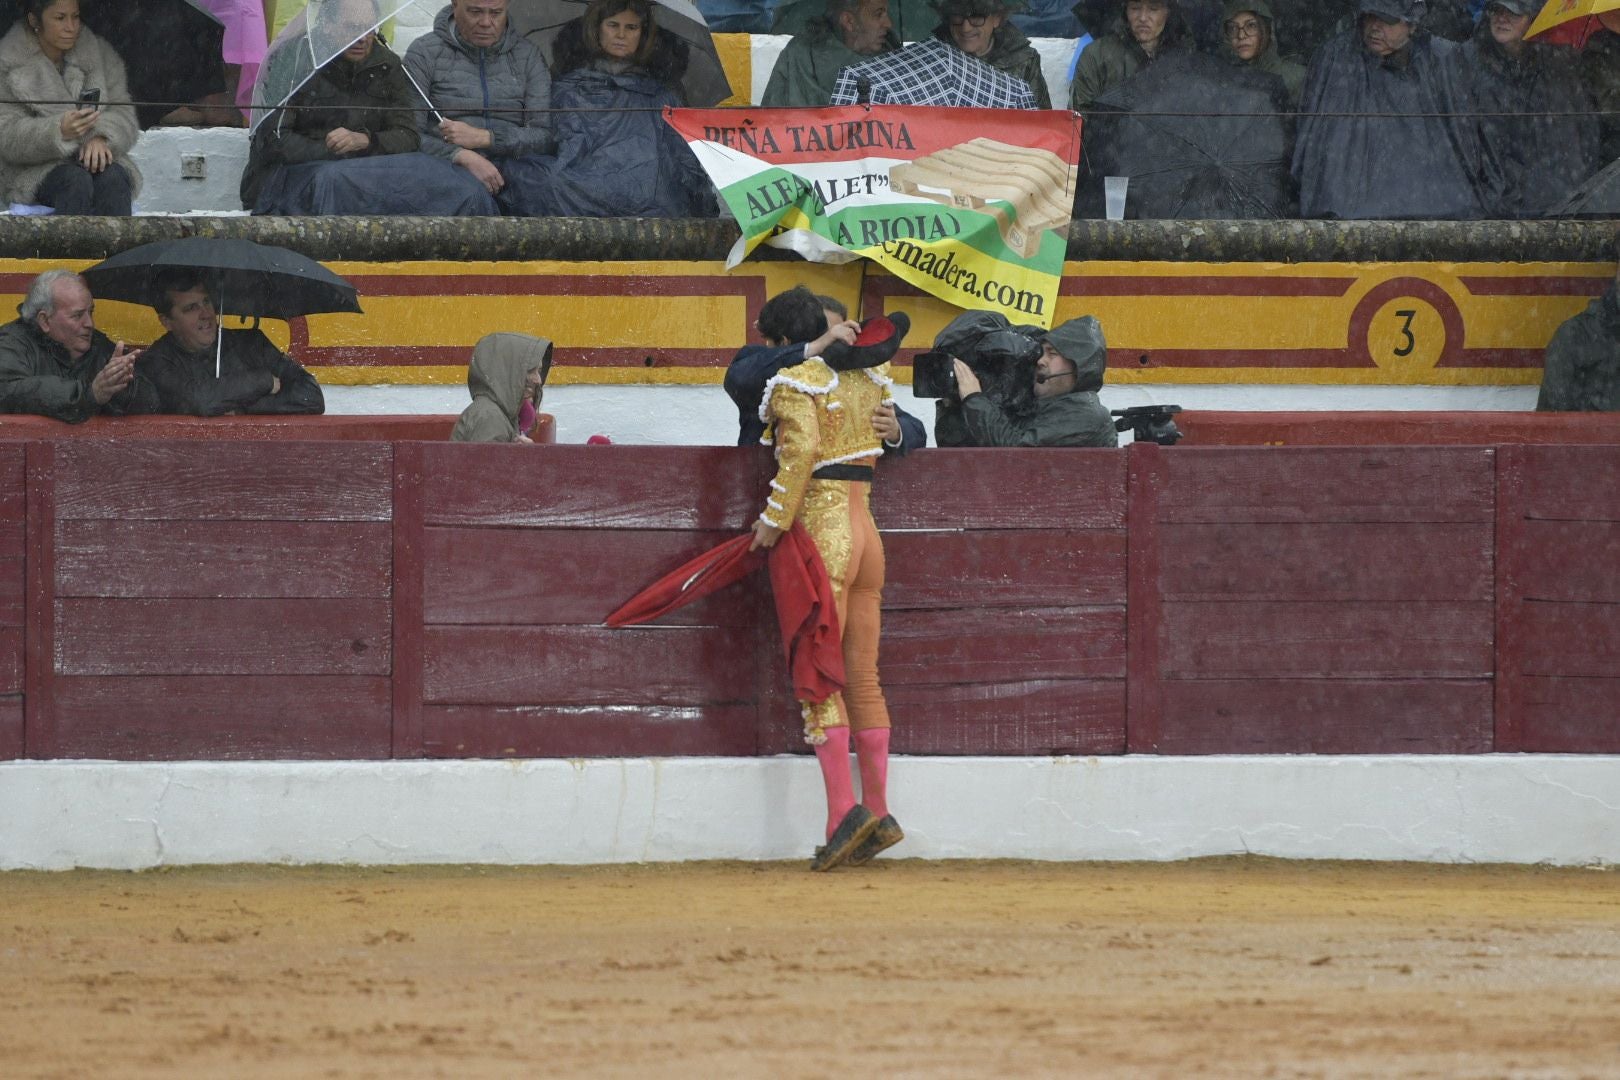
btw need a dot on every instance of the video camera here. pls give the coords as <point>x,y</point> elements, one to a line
<point>1004,361</point>
<point>1149,423</point>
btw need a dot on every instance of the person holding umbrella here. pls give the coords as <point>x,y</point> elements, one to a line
<point>980,29</point>
<point>59,145</point>
<point>54,362</point>
<point>345,141</point>
<point>201,370</point>
<point>487,89</point>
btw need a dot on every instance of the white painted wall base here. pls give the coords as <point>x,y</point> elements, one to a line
<point>1555,809</point>
<point>704,416</point>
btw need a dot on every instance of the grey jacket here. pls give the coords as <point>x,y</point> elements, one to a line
<point>500,365</point>
<point>1583,360</point>
<point>483,87</point>
<point>38,377</point>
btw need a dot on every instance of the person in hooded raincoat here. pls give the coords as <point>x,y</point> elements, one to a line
<point>1249,31</point>
<point>911,20</point>
<point>507,379</point>
<point>1144,31</point>
<point>1582,362</point>
<point>1600,71</point>
<point>1068,412</point>
<point>347,142</point>
<point>615,73</point>
<point>980,29</point>
<point>807,67</point>
<point>1389,126</point>
<point>1543,157</point>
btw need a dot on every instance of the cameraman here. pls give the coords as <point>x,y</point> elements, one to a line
<point>1067,410</point>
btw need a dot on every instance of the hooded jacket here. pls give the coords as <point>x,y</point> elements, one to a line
<point>1583,360</point>
<point>1076,418</point>
<point>32,97</point>
<point>500,367</point>
<point>471,84</point>
<point>372,97</point>
<point>1543,158</point>
<point>1010,51</point>
<point>1116,56</point>
<point>808,66</point>
<point>1270,59</point>
<point>1600,71</point>
<point>616,157</point>
<point>1411,145</point>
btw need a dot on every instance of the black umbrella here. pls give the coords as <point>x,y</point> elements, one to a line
<point>703,85</point>
<point>173,50</point>
<point>244,278</point>
<point>1198,138</point>
<point>1598,197</point>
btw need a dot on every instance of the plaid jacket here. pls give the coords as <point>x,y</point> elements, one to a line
<point>932,73</point>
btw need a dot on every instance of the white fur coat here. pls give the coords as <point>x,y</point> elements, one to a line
<point>31,142</point>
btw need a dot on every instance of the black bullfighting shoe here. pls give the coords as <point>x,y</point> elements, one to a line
<point>857,825</point>
<point>887,834</point>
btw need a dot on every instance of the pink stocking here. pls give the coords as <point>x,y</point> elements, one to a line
<point>872,748</point>
<point>834,757</point>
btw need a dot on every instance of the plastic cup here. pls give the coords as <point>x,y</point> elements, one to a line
<point>1114,196</point>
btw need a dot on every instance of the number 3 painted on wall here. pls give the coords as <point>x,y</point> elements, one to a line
<point>1406,332</point>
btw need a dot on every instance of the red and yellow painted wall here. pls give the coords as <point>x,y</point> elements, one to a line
<point>659,322</point>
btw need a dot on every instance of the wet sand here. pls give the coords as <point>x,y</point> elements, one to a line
<point>1234,967</point>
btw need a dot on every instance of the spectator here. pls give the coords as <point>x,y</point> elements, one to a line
<point>1582,362</point>
<point>73,158</point>
<point>980,29</point>
<point>200,370</point>
<point>346,142</point>
<point>489,87</point>
<point>789,341</point>
<point>507,379</point>
<point>193,70</point>
<point>808,66</point>
<point>1067,410</point>
<point>1410,146</point>
<point>1600,71</point>
<point>910,20</point>
<point>931,72</point>
<point>54,362</point>
<point>1145,31</point>
<point>616,72</point>
<point>1520,86</point>
<point>1251,42</point>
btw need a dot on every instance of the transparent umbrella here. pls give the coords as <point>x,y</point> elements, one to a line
<point>314,38</point>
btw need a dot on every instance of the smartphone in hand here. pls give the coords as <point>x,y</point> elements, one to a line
<point>91,98</point>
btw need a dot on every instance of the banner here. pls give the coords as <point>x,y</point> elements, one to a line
<point>979,220</point>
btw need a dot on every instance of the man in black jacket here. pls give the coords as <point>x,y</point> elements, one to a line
<point>200,370</point>
<point>1582,372</point>
<point>54,362</point>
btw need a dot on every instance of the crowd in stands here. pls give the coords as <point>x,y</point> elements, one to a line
<point>1347,109</point>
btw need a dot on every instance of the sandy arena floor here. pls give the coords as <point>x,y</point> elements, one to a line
<point>1216,967</point>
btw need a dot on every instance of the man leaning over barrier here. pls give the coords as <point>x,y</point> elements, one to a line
<point>54,362</point>
<point>1068,375</point>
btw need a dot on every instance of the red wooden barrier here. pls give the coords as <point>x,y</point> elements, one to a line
<point>251,428</point>
<point>1212,428</point>
<point>372,599</point>
<point>1558,672</point>
<point>1321,601</point>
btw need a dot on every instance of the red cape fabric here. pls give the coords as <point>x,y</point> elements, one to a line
<point>805,610</point>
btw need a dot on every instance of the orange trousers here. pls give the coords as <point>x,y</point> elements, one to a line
<point>838,517</point>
